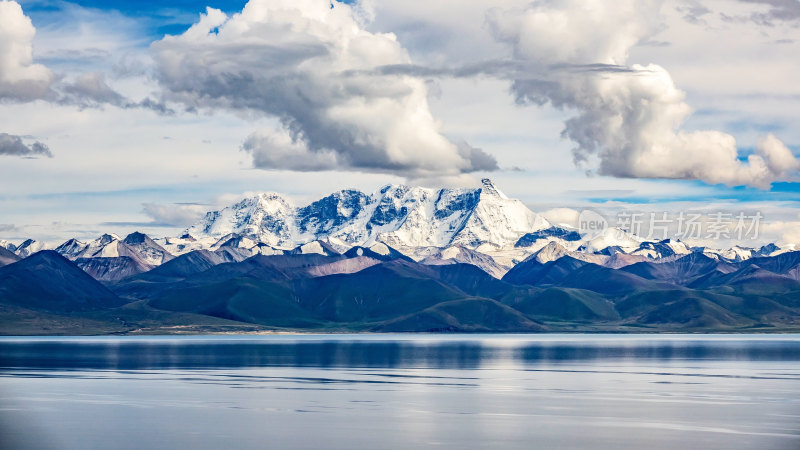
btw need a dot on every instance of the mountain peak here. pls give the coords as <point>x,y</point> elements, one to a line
<point>268,201</point>
<point>107,239</point>
<point>400,216</point>
<point>768,249</point>
<point>270,196</point>
<point>71,249</point>
<point>29,247</point>
<point>8,245</point>
<point>489,188</point>
<point>550,252</point>
<point>135,238</point>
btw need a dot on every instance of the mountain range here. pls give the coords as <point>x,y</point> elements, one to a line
<point>400,259</point>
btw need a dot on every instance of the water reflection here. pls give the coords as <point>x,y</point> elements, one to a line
<point>595,391</point>
<point>420,352</point>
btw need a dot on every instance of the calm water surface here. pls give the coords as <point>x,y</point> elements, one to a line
<point>401,391</point>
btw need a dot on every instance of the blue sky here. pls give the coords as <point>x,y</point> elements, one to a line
<point>140,140</point>
<point>156,18</point>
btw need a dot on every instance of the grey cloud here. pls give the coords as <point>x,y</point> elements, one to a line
<point>14,146</point>
<point>277,150</point>
<point>488,68</point>
<point>501,69</point>
<point>90,90</point>
<point>536,91</point>
<point>779,11</point>
<point>151,104</point>
<point>481,161</point>
<point>597,68</point>
<point>131,65</point>
<point>24,90</point>
<point>693,12</point>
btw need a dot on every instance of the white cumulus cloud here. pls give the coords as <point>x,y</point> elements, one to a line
<point>312,66</point>
<point>629,116</point>
<point>23,80</point>
<point>20,78</point>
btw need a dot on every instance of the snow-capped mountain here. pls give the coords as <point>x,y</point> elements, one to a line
<point>71,249</point>
<point>315,247</point>
<point>661,249</point>
<point>402,217</point>
<point>8,245</point>
<point>479,226</point>
<point>460,254</point>
<point>554,251</point>
<point>739,253</point>
<point>137,246</point>
<point>29,247</point>
<point>564,234</point>
<point>147,249</point>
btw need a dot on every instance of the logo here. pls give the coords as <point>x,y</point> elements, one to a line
<point>591,224</point>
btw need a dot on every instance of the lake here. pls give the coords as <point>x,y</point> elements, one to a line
<point>401,391</point>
